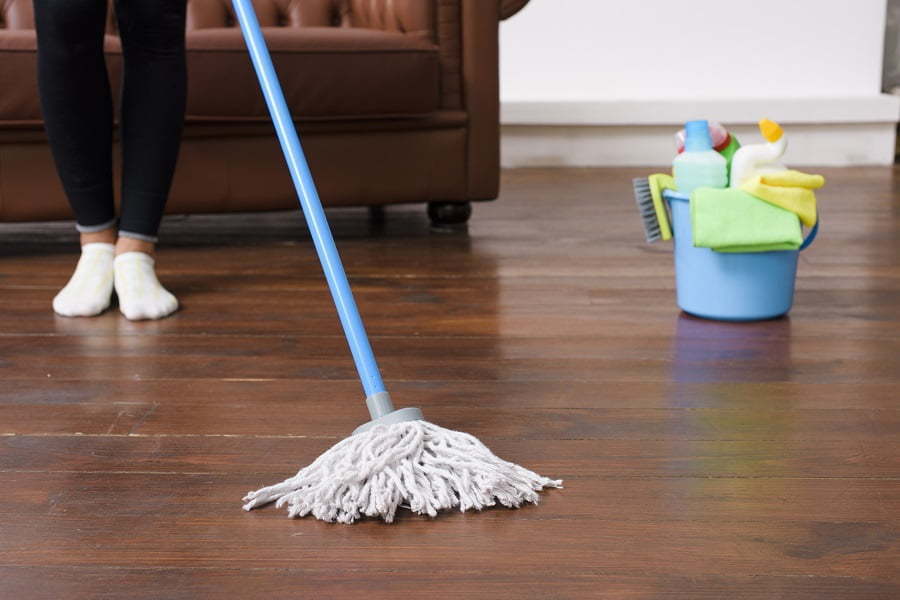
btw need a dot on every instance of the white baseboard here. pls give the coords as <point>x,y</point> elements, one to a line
<point>821,131</point>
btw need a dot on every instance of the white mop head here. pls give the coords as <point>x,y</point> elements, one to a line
<point>414,464</point>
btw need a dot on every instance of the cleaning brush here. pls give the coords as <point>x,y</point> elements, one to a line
<point>648,195</point>
<point>397,459</point>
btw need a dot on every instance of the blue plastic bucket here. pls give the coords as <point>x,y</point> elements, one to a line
<point>728,286</point>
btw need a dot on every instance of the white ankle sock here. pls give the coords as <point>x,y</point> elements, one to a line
<point>90,287</point>
<point>141,296</point>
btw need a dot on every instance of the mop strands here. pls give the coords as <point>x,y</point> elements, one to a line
<point>396,459</point>
<point>413,464</point>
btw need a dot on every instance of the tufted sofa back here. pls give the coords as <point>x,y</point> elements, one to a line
<point>404,16</point>
<point>19,15</point>
<point>16,14</point>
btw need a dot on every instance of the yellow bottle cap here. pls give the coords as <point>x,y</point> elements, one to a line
<point>770,130</point>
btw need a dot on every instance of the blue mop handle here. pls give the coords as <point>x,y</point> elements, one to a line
<point>309,201</point>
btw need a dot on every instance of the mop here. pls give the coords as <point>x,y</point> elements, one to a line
<point>397,459</point>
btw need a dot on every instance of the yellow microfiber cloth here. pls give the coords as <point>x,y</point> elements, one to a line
<point>731,220</point>
<point>791,190</point>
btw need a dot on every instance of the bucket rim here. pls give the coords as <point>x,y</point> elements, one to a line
<point>673,195</point>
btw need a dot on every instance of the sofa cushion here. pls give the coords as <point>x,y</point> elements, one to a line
<point>326,72</point>
<point>18,76</point>
<point>18,79</point>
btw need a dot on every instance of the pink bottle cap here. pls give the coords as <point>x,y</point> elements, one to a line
<point>720,137</point>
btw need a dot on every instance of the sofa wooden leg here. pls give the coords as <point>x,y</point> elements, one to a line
<point>446,214</point>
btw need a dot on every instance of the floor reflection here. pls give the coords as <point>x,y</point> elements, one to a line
<point>720,371</point>
<point>717,351</point>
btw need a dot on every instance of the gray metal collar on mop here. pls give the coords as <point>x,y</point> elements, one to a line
<point>413,464</point>
<point>397,459</point>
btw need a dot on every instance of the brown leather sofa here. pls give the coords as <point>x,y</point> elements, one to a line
<point>396,102</point>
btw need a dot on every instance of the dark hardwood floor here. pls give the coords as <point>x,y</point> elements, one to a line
<point>701,460</point>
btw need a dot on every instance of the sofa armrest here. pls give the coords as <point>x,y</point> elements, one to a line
<point>510,7</point>
<point>466,32</point>
<point>480,92</point>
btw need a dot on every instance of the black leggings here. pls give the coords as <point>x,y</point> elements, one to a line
<point>76,102</point>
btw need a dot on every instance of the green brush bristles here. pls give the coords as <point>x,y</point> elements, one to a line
<point>644,198</point>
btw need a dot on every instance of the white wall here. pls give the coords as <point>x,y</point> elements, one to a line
<point>616,63</point>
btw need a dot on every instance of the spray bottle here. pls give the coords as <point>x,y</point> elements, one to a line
<point>699,165</point>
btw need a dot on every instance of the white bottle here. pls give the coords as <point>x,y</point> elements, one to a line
<point>699,165</point>
<point>757,159</point>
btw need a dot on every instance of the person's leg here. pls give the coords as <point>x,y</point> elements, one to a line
<point>153,103</point>
<point>76,103</point>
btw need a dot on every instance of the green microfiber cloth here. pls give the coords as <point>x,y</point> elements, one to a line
<point>731,220</point>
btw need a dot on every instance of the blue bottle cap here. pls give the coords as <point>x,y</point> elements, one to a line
<point>697,137</point>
